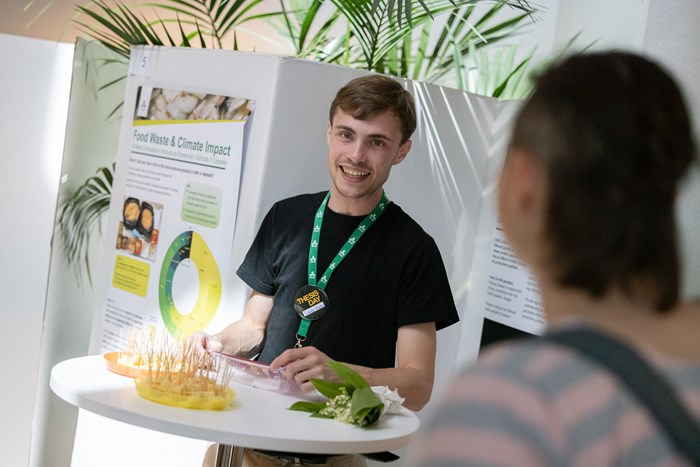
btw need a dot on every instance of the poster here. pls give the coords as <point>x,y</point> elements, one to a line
<point>511,297</point>
<point>173,212</point>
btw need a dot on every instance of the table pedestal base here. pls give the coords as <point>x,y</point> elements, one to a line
<point>228,456</point>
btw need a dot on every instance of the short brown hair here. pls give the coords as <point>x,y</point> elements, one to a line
<point>367,96</point>
<point>612,133</point>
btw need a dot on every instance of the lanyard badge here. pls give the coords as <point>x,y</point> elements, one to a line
<point>311,301</point>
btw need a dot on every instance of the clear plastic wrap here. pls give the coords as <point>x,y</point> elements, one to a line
<point>257,374</point>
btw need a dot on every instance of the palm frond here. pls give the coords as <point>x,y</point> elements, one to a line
<point>389,36</point>
<point>119,26</point>
<point>376,32</point>
<point>80,214</point>
<point>465,29</point>
<point>499,73</point>
<point>405,8</point>
<point>307,31</point>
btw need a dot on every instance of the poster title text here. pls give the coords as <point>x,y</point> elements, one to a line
<point>181,142</point>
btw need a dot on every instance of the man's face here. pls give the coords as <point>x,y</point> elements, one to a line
<point>360,156</point>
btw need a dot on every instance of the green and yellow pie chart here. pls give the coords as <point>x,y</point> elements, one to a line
<point>189,245</point>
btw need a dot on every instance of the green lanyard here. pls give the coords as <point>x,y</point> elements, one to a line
<point>366,223</point>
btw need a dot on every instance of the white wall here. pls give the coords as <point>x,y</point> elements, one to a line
<point>672,38</point>
<point>603,24</point>
<point>665,30</point>
<point>90,144</point>
<point>35,78</point>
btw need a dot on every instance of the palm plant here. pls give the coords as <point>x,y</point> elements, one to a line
<point>377,40</point>
<point>81,213</point>
<point>395,37</point>
<point>197,23</point>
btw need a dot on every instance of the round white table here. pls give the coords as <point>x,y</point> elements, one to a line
<point>257,418</point>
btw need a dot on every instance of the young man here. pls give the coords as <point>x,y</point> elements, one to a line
<point>587,201</point>
<point>346,274</point>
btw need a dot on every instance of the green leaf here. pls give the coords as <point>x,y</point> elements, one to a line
<point>366,406</point>
<point>80,213</point>
<point>348,375</point>
<point>305,406</point>
<point>327,388</point>
<point>369,416</point>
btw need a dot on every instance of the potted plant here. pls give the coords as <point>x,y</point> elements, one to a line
<point>437,41</point>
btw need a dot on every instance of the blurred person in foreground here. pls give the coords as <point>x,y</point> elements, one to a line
<point>586,199</point>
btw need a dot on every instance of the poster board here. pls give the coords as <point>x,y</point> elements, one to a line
<point>173,212</point>
<point>179,162</point>
<point>447,183</point>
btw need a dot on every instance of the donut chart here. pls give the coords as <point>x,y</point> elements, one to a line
<point>189,245</point>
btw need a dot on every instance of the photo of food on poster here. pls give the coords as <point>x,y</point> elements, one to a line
<point>138,231</point>
<point>173,212</point>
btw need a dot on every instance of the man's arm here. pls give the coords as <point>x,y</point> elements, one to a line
<point>413,376</point>
<point>244,337</point>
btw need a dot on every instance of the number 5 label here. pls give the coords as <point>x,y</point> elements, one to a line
<point>140,62</point>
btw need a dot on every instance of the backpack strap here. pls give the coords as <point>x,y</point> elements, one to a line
<point>642,381</point>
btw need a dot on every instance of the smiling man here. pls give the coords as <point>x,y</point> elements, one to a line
<point>346,274</point>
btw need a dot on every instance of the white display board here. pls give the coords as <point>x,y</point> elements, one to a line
<point>35,75</point>
<point>172,214</point>
<point>446,184</point>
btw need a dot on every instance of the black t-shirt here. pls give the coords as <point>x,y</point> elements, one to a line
<point>394,276</point>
